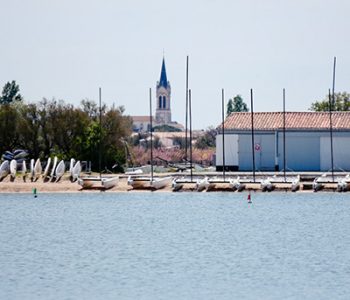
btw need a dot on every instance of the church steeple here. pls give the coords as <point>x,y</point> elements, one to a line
<point>163,111</point>
<point>163,79</point>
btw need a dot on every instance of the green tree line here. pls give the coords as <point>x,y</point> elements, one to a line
<point>341,103</point>
<point>53,127</point>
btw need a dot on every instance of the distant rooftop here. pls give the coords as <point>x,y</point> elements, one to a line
<point>294,120</point>
<point>141,118</point>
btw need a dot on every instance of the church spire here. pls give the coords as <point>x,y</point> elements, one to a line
<point>163,79</point>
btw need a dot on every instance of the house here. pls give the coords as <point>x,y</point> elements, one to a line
<point>141,123</point>
<point>307,141</point>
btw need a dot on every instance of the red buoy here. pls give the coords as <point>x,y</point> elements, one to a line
<point>249,199</point>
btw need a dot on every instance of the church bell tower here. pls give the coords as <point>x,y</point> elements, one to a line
<point>163,111</point>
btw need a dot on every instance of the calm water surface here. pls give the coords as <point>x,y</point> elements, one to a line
<point>175,246</point>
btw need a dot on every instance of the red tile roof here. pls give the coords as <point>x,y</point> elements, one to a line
<point>141,118</point>
<point>294,120</point>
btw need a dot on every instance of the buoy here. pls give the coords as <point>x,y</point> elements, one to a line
<point>249,199</point>
<point>34,193</point>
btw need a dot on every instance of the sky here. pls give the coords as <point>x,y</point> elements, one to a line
<point>67,49</point>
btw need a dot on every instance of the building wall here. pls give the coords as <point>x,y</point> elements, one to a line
<point>264,151</point>
<point>302,151</point>
<point>305,151</point>
<point>341,153</point>
<point>231,152</point>
<point>141,126</point>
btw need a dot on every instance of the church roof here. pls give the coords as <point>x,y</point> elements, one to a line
<point>163,79</point>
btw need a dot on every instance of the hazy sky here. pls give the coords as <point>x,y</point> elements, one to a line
<point>67,49</point>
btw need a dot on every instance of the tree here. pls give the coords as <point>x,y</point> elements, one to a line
<point>207,140</point>
<point>229,108</point>
<point>236,105</point>
<point>341,103</point>
<point>10,93</point>
<point>8,127</point>
<point>29,130</point>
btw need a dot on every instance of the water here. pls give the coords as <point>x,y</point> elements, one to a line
<point>175,246</point>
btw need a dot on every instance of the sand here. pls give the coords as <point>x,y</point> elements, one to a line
<point>66,186</point>
<point>63,186</point>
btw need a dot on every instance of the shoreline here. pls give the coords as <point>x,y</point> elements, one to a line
<point>66,186</point>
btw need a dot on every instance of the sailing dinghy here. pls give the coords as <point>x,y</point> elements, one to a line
<point>98,182</point>
<point>76,171</point>
<point>61,168</point>
<point>4,169</point>
<point>46,170</point>
<point>13,169</point>
<point>37,170</point>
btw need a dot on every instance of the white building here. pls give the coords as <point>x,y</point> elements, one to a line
<point>307,140</point>
<point>141,123</point>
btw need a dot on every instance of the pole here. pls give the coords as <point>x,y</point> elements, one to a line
<point>284,134</point>
<point>252,121</point>
<point>190,115</point>
<point>330,116</point>
<point>186,122</point>
<point>151,127</point>
<point>100,133</point>
<point>334,63</point>
<point>223,132</point>
<point>331,131</point>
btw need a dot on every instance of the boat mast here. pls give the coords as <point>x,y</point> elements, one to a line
<point>252,124</point>
<point>186,122</point>
<point>284,134</point>
<point>331,103</point>
<point>151,126</point>
<point>190,115</point>
<point>100,133</point>
<point>223,133</point>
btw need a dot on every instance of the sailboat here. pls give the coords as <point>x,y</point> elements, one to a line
<point>98,182</point>
<point>13,169</point>
<point>149,182</point>
<point>191,182</point>
<point>220,182</point>
<point>4,169</point>
<point>341,183</point>
<point>291,182</point>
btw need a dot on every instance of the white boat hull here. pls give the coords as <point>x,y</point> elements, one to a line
<point>32,169</point>
<point>61,168</point>
<point>4,169</point>
<point>52,174</point>
<point>148,183</point>
<point>98,183</point>
<point>236,185</point>
<point>47,167</point>
<point>13,169</point>
<point>109,183</point>
<point>71,166</point>
<point>37,170</point>
<point>76,171</point>
<point>202,184</point>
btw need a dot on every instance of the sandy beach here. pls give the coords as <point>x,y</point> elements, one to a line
<point>63,186</point>
<point>66,186</point>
